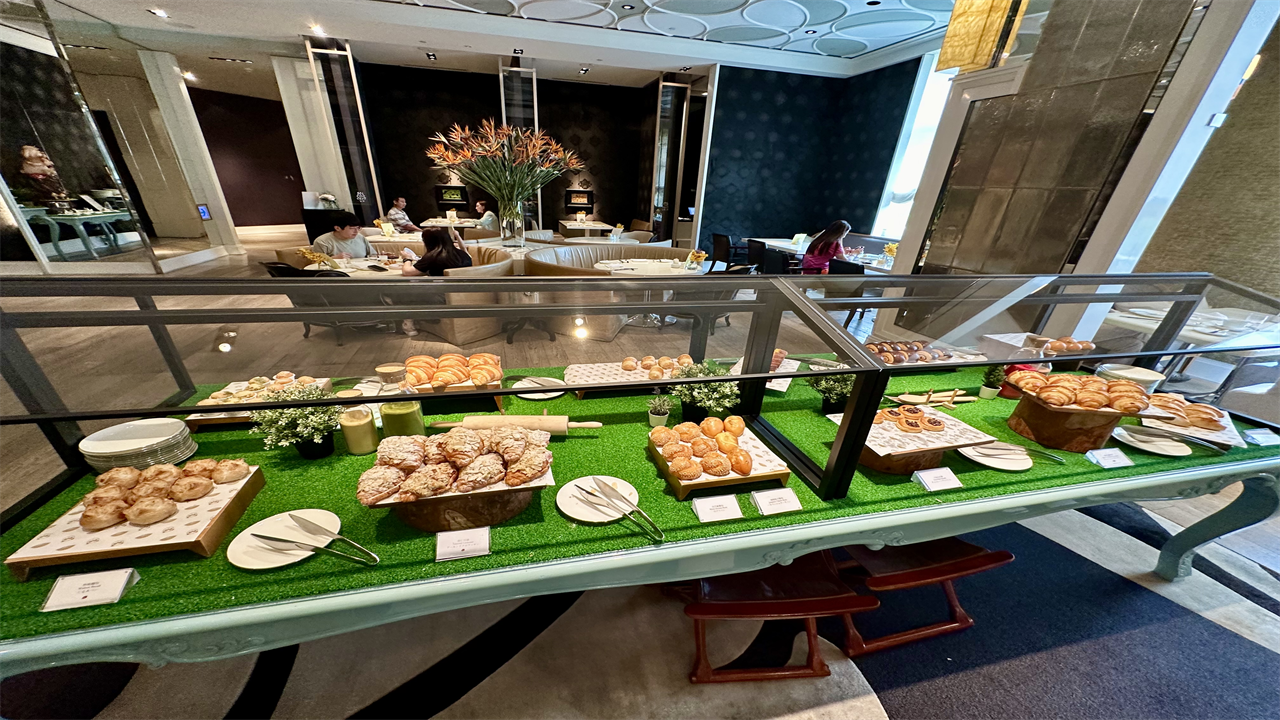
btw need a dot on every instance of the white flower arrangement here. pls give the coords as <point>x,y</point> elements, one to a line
<point>286,426</point>
<point>714,397</point>
<point>327,197</point>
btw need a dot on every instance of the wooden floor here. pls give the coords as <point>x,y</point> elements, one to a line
<point>95,368</point>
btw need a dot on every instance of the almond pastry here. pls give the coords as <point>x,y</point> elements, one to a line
<point>481,472</point>
<point>735,425</point>
<point>531,466</point>
<point>716,463</point>
<point>151,510</point>
<point>932,423</point>
<point>401,452</point>
<point>429,481</point>
<point>460,445</point>
<point>712,426</point>
<point>686,468</point>
<point>688,431</point>
<point>125,477</point>
<point>1057,395</point>
<point>739,460</point>
<point>671,451</point>
<point>509,441</point>
<point>703,445</point>
<point>663,435</point>
<point>378,483</point>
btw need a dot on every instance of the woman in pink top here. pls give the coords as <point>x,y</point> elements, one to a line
<point>827,245</point>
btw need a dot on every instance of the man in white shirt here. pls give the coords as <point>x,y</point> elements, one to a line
<point>487,220</point>
<point>345,242</point>
<point>400,219</point>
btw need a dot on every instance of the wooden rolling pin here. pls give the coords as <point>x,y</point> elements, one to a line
<point>554,424</point>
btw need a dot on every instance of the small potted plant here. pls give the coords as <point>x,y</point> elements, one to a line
<point>992,381</point>
<point>308,429</point>
<point>659,410</point>
<point>698,400</point>
<point>835,391</point>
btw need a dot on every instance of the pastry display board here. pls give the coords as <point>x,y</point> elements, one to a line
<point>601,373</point>
<point>765,465</point>
<point>197,420</point>
<point>199,526</point>
<point>1228,436</point>
<point>886,439</point>
<point>779,385</point>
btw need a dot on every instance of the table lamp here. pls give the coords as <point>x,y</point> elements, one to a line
<point>452,215</point>
<point>582,216</point>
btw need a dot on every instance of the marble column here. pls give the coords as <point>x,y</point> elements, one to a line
<point>314,137</point>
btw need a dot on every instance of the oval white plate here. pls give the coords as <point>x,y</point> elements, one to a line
<point>132,436</point>
<point>526,383</point>
<point>246,552</point>
<point>1159,446</point>
<point>569,504</point>
<point>998,455</point>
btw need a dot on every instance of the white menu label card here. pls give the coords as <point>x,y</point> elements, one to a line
<point>772,502</point>
<point>937,479</point>
<point>1262,437</point>
<point>457,544</point>
<point>100,588</point>
<point>1108,458</point>
<point>720,507</point>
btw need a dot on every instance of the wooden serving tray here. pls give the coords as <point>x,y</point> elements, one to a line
<point>764,466</point>
<point>199,526</point>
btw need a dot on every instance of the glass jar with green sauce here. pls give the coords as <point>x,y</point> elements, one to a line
<point>402,418</point>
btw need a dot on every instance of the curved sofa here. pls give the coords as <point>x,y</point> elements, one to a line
<point>581,259</point>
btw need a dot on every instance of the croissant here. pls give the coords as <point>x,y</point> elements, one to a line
<point>422,360</point>
<point>1092,399</point>
<point>1026,379</point>
<point>482,359</point>
<point>453,356</point>
<point>1128,403</point>
<point>1033,384</point>
<point>1058,395</point>
<point>1070,380</point>
<point>485,374</point>
<point>417,376</point>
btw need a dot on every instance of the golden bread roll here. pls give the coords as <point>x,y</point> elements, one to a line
<point>686,468</point>
<point>684,360</point>
<point>735,425</point>
<point>671,451</point>
<point>101,517</point>
<point>204,466</point>
<point>726,440</point>
<point>703,445</point>
<point>230,471</point>
<point>688,431</point>
<point>712,426</point>
<point>716,463</point>
<point>165,472</point>
<point>663,435</point>
<point>666,363</point>
<point>739,460</point>
<point>105,494</point>
<point>655,373</point>
<point>151,510</point>
<point>630,363</point>
<point>191,487</point>
<point>648,364</point>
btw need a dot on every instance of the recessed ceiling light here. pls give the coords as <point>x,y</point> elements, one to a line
<point>584,71</point>
<point>317,30</point>
<point>158,12</point>
<point>232,60</point>
<point>517,51</point>
<point>686,68</point>
<point>810,32</point>
<point>628,7</point>
<point>188,75</point>
<point>431,56</point>
<point>873,3</point>
<point>84,47</point>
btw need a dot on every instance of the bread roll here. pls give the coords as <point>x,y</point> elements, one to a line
<point>671,451</point>
<point>712,426</point>
<point>735,425</point>
<point>149,511</point>
<point>739,460</point>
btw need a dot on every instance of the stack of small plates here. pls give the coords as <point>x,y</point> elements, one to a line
<point>1148,379</point>
<point>139,444</point>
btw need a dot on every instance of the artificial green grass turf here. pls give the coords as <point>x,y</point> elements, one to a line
<point>178,583</point>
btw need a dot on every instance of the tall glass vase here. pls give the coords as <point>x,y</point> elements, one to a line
<point>512,218</point>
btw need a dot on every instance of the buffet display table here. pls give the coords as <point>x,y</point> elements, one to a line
<point>189,609</point>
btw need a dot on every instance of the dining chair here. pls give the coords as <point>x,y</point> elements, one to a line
<point>844,267</point>
<point>285,270</point>
<point>775,262</point>
<point>641,225</point>
<point>478,234</point>
<point>640,236</point>
<point>656,243</point>
<point>539,235</point>
<point>722,250</point>
<point>755,252</point>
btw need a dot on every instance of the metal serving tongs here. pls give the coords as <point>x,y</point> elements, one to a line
<point>620,503</point>
<point>365,557</point>
<point>1170,434</point>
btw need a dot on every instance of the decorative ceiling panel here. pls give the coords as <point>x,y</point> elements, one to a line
<point>838,28</point>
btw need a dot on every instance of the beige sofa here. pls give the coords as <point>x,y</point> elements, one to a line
<point>487,262</point>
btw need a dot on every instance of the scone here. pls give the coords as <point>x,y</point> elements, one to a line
<point>191,487</point>
<point>229,471</point>
<point>125,477</point>
<point>165,472</point>
<point>149,511</point>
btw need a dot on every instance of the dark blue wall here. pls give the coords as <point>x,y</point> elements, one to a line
<point>792,153</point>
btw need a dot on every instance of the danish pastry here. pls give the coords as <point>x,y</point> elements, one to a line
<point>716,463</point>
<point>433,450</point>
<point>663,435</point>
<point>879,418</point>
<point>892,414</point>
<point>509,441</point>
<point>726,440</point>
<point>1128,403</point>
<point>1092,399</point>
<point>686,468</point>
<point>149,511</point>
<point>204,466</point>
<point>630,363</point>
<point>125,477</point>
<point>103,516</point>
<point>932,423</point>
<point>191,487</point>
<point>403,452</point>
<point>712,426</point>
<point>739,460</point>
<point>911,411</point>
<point>229,471</point>
<point>688,431</point>
<point>460,445</point>
<point>735,425</point>
<point>703,445</point>
<point>1057,395</point>
<point>378,483</point>
<point>671,451</point>
<point>910,425</point>
<point>167,473</point>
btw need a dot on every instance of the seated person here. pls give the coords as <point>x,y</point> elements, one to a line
<point>345,242</point>
<point>399,218</point>
<point>441,249</point>
<point>827,245</point>
<point>487,220</point>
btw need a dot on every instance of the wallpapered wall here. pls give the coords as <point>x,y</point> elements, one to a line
<point>1226,218</point>
<point>404,107</point>
<point>792,153</point>
<point>602,123</point>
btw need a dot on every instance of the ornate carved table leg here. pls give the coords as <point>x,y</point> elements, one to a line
<point>1259,499</point>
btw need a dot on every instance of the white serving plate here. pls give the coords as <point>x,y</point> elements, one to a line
<point>1229,436</point>
<point>999,455</point>
<point>248,553</point>
<point>133,437</point>
<point>569,504</point>
<point>1159,446</point>
<point>526,383</point>
<point>781,384</point>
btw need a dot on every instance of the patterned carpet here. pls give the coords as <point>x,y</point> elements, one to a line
<point>1075,627</point>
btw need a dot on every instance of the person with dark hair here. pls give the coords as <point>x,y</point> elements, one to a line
<point>827,245</point>
<point>441,250</point>
<point>399,218</point>
<point>345,242</point>
<point>487,220</point>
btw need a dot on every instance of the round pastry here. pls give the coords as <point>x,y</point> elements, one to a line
<point>105,494</point>
<point>149,511</point>
<point>739,460</point>
<point>305,380</point>
<point>192,487</point>
<point>932,423</point>
<point>923,356</point>
<point>872,347</point>
<point>712,426</point>
<point>1092,399</point>
<point>663,435</point>
<point>735,425</point>
<point>1055,346</point>
<point>910,425</point>
<point>146,489</point>
<point>655,373</point>
<point>1066,339</point>
<point>230,471</point>
<point>726,440</point>
<point>879,418</point>
<point>686,468</point>
<point>671,451</point>
<point>887,358</point>
<point>1128,403</point>
<point>1073,346</point>
<point>884,347</point>
<point>901,346</point>
<point>1202,408</point>
<point>688,431</point>
<point>917,345</point>
<point>284,375</point>
<point>100,517</point>
<point>1206,422</point>
<point>1086,346</point>
<point>892,414</point>
<point>900,357</point>
<point>911,411</point>
<point>684,360</point>
<point>666,363</point>
<point>166,472</point>
<point>204,467</point>
<point>716,463</point>
<point>125,477</point>
<point>630,363</point>
<point>648,357</point>
<point>703,445</point>
<point>1057,395</point>
<point>648,363</point>
<point>244,394</point>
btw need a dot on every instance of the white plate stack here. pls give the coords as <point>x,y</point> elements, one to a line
<point>139,444</point>
<point>1148,379</point>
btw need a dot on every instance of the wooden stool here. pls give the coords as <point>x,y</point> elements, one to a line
<point>808,588</point>
<point>937,562</point>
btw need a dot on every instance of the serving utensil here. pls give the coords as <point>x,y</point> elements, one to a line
<point>276,543</point>
<point>1162,433</point>
<point>621,504</point>
<point>315,528</point>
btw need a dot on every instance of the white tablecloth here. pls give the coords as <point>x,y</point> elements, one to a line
<point>646,266</point>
